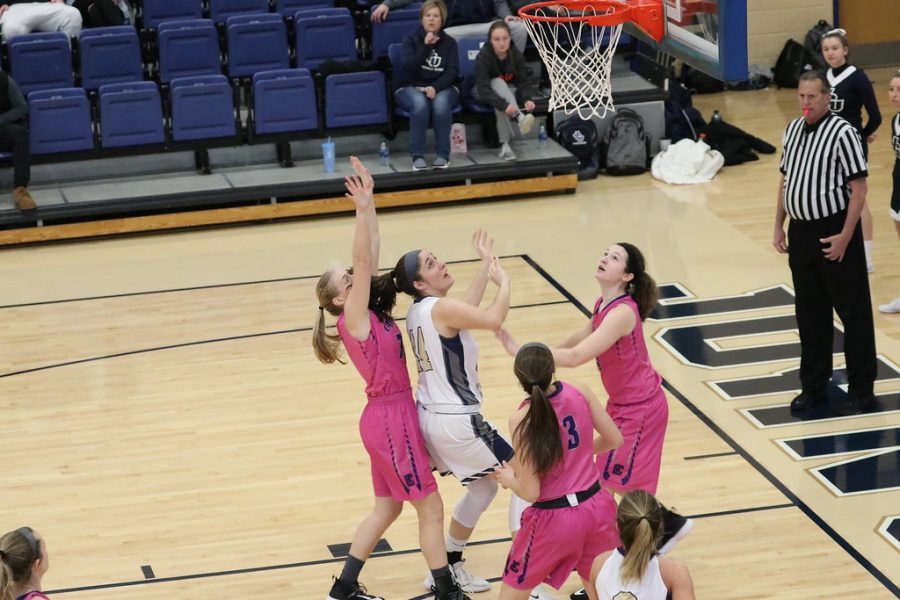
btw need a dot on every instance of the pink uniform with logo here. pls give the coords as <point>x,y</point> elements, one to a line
<point>389,426</point>
<point>637,405</point>
<point>553,541</point>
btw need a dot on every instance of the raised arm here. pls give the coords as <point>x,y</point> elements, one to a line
<point>610,436</point>
<point>484,246</point>
<point>620,321</point>
<point>365,250</point>
<point>512,346</point>
<point>451,315</point>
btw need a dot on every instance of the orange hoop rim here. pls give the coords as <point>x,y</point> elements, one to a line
<point>621,12</point>
<point>648,15</point>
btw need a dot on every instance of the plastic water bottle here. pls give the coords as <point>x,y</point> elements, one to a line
<point>542,136</point>
<point>716,116</point>
<point>384,154</point>
<point>328,155</point>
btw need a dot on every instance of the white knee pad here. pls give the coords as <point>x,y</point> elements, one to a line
<point>516,507</point>
<point>477,498</point>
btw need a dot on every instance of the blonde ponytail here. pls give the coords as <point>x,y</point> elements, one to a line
<point>640,520</point>
<point>326,346</point>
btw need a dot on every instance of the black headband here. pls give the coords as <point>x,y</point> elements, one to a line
<point>411,265</point>
<point>33,543</point>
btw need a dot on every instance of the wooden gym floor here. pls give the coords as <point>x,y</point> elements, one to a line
<point>168,430</point>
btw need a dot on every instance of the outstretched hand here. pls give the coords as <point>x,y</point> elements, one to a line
<point>483,244</point>
<point>496,272</point>
<point>509,342</point>
<point>359,186</point>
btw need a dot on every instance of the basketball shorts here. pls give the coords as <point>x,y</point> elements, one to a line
<point>390,433</point>
<point>554,541</point>
<point>466,445</point>
<point>635,464</point>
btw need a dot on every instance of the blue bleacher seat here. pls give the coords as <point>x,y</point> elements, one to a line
<point>60,121</point>
<point>158,11</point>
<point>202,108</point>
<point>40,61</point>
<point>324,33</point>
<point>287,8</point>
<point>109,55</point>
<point>188,48</point>
<point>468,51</point>
<point>343,104</point>
<point>398,25</point>
<point>256,43</point>
<point>130,115</point>
<point>284,100</point>
<point>220,10</point>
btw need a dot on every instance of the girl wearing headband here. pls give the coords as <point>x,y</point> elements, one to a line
<point>23,563</point>
<point>614,337</point>
<point>851,91</point>
<point>459,439</point>
<point>388,425</point>
<point>635,570</point>
<point>571,520</point>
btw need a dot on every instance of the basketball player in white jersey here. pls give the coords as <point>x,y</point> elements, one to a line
<point>458,438</point>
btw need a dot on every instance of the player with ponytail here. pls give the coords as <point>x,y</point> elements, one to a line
<point>554,468</point>
<point>362,303</point>
<point>636,568</point>
<point>23,563</point>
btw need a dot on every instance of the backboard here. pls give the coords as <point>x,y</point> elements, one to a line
<point>709,35</point>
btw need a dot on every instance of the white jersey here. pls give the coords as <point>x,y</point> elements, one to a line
<point>610,586</point>
<point>448,367</point>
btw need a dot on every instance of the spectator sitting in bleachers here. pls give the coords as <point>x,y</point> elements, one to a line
<point>18,17</point>
<point>14,137</point>
<point>501,81</point>
<point>468,18</point>
<point>23,562</point>
<point>431,66</point>
<point>104,13</point>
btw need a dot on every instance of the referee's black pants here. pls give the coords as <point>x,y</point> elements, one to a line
<point>820,285</point>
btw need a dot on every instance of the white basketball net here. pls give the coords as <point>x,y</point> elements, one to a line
<point>578,60</point>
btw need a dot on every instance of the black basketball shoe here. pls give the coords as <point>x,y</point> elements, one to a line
<point>675,527</point>
<point>356,592</point>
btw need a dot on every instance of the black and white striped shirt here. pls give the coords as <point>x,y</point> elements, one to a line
<point>818,164</point>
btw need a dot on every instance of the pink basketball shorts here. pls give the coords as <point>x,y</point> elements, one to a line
<point>553,541</point>
<point>389,428</point>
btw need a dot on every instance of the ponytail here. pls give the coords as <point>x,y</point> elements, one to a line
<point>640,521</point>
<point>383,296</point>
<point>326,346</point>
<point>7,585</point>
<point>537,436</point>
<point>642,287</point>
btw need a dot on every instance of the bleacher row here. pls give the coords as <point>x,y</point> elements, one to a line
<point>180,82</point>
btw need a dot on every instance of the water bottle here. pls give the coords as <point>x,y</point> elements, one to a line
<point>328,155</point>
<point>384,154</point>
<point>542,136</point>
<point>716,116</point>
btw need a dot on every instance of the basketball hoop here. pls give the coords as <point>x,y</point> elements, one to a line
<point>577,40</point>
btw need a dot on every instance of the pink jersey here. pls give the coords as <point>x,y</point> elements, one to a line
<point>625,368</point>
<point>576,472</point>
<point>380,359</point>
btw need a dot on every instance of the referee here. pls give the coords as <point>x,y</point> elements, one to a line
<point>823,190</point>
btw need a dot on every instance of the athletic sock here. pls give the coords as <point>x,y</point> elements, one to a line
<point>443,582</point>
<point>350,573</point>
<point>868,247</point>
